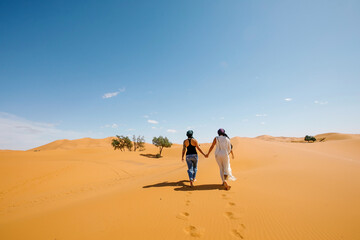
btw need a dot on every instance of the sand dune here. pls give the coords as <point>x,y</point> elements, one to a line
<point>323,137</point>
<point>76,144</point>
<point>280,139</point>
<point>82,189</point>
<point>337,136</point>
<point>105,143</point>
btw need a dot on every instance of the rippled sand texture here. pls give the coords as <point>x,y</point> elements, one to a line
<point>82,189</point>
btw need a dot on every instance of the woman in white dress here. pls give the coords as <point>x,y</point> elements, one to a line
<point>223,149</point>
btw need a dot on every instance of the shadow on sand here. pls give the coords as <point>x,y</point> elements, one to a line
<point>167,184</point>
<point>151,155</point>
<point>181,186</point>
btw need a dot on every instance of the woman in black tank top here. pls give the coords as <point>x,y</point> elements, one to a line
<point>190,145</point>
<point>190,149</point>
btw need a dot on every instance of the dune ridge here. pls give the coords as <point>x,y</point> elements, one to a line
<point>337,136</point>
<point>77,143</point>
<point>323,137</point>
<point>105,143</point>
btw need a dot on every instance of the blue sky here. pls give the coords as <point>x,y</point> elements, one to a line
<point>73,69</point>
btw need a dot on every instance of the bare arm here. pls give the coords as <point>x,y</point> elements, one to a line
<point>198,147</point>
<point>232,154</point>
<point>212,146</point>
<point>183,151</point>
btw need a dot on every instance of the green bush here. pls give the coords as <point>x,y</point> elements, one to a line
<point>121,142</point>
<point>309,138</point>
<point>161,142</point>
<point>139,143</point>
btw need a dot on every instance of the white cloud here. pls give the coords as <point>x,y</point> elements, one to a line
<point>114,125</point>
<point>262,123</point>
<point>171,131</point>
<point>113,94</point>
<point>131,129</point>
<point>261,115</point>
<point>110,95</point>
<point>321,102</point>
<point>288,99</point>
<point>153,127</point>
<point>21,134</point>
<point>146,116</point>
<point>222,118</point>
<point>152,121</point>
<point>245,120</point>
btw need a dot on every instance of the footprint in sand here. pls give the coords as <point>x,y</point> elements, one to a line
<point>236,233</point>
<point>230,215</point>
<point>183,215</point>
<point>239,232</point>
<point>224,196</point>
<point>193,231</point>
<point>187,203</point>
<point>231,204</point>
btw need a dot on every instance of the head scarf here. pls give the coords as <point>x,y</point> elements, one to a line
<point>189,133</point>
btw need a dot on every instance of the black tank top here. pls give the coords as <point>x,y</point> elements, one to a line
<point>190,149</point>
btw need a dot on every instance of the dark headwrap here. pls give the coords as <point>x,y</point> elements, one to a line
<point>189,133</point>
<point>221,132</point>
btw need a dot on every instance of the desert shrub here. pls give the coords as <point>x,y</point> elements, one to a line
<point>309,138</point>
<point>139,142</point>
<point>121,142</point>
<point>116,144</point>
<point>161,142</point>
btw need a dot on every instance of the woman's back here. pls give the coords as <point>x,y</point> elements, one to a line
<point>191,146</point>
<point>223,146</point>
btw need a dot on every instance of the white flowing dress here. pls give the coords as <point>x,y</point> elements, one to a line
<point>223,149</point>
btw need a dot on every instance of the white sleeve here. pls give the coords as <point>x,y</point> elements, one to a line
<point>228,145</point>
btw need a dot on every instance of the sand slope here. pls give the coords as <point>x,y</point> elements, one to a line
<point>284,191</point>
<point>280,139</point>
<point>323,137</point>
<point>66,144</point>
<point>337,136</point>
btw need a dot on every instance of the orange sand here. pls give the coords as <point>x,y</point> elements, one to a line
<point>83,189</point>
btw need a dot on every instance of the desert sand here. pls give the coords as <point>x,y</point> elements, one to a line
<point>83,189</point>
